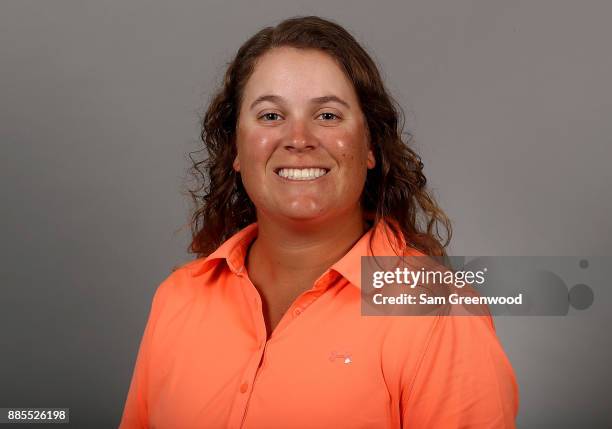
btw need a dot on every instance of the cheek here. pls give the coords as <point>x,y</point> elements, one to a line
<point>254,147</point>
<point>351,149</point>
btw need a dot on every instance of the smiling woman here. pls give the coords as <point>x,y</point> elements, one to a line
<point>306,173</point>
<point>327,132</point>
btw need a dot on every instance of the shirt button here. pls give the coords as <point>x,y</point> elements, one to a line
<point>244,387</point>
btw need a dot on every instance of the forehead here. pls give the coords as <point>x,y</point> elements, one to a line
<point>298,73</point>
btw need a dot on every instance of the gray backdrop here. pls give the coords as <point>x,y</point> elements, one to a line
<point>509,101</point>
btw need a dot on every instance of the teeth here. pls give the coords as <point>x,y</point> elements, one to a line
<point>301,174</point>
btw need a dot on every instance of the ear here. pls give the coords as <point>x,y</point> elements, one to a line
<point>236,164</point>
<point>371,161</point>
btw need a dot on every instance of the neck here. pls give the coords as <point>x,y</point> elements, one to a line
<point>284,252</point>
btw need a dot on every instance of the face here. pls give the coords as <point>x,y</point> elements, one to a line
<point>300,117</point>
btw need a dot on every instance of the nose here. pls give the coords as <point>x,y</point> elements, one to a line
<point>299,137</point>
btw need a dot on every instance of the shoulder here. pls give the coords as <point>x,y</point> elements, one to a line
<point>410,339</point>
<point>181,285</point>
<point>429,330</point>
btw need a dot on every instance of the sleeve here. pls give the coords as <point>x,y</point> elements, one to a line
<point>463,380</point>
<point>135,412</point>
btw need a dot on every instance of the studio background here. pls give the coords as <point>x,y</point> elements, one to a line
<point>509,102</point>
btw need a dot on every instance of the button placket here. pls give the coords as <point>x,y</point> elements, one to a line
<point>245,389</point>
<point>253,295</point>
<point>247,384</point>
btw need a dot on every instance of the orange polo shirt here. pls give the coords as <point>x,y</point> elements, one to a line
<point>204,361</point>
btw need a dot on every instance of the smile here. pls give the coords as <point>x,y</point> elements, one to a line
<point>300,174</point>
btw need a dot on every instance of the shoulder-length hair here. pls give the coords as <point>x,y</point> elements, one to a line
<point>395,189</point>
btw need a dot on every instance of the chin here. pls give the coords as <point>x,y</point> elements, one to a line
<point>304,215</point>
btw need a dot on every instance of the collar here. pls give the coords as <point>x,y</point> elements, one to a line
<point>384,243</point>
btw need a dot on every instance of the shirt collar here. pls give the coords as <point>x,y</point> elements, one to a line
<point>384,243</point>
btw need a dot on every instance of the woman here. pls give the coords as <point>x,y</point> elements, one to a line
<point>307,173</point>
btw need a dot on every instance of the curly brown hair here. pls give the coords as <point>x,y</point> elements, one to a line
<point>395,188</point>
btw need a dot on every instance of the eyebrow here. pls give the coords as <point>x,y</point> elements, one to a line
<point>317,100</point>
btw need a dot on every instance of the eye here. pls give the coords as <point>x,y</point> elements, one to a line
<point>269,116</point>
<point>329,115</point>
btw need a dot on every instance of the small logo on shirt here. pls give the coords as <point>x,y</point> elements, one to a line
<point>343,357</point>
